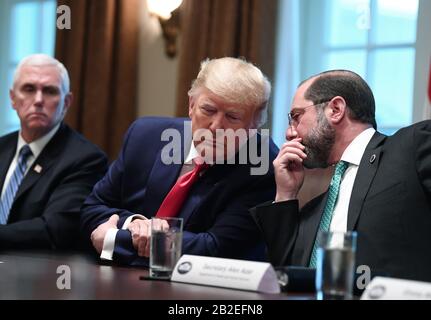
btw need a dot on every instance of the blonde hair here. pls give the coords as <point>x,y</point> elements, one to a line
<point>235,81</point>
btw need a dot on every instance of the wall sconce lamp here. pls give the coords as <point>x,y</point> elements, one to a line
<point>169,19</point>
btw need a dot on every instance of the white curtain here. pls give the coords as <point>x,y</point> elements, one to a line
<point>422,105</point>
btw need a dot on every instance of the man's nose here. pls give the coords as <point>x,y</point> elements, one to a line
<point>38,98</point>
<point>217,122</point>
<point>291,133</point>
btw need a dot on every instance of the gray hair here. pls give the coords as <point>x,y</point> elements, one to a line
<point>235,81</point>
<point>44,60</point>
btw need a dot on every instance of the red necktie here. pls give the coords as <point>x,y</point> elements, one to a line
<point>174,200</point>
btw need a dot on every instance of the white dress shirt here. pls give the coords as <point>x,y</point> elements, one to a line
<point>353,155</point>
<point>36,148</point>
<point>111,234</point>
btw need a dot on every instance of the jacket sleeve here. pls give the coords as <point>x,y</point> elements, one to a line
<point>105,198</point>
<point>232,235</point>
<point>57,226</point>
<point>279,223</point>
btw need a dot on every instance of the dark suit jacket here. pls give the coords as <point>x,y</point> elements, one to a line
<point>216,218</point>
<point>390,208</point>
<point>45,212</point>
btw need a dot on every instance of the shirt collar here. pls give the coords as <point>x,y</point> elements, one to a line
<point>38,145</point>
<point>193,153</point>
<point>355,150</point>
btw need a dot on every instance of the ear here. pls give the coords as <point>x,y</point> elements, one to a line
<point>68,99</point>
<point>12,98</point>
<point>192,101</point>
<point>337,109</point>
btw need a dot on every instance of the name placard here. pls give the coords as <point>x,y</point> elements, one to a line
<point>382,288</point>
<point>227,273</point>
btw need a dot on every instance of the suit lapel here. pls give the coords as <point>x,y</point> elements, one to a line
<point>34,173</point>
<point>308,228</point>
<point>308,231</point>
<point>200,190</point>
<point>218,173</point>
<point>163,176</point>
<point>203,188</point>
<point>161,180</point>
<point>364,177</point>
<point>44,161</point>
<point>9,148</point>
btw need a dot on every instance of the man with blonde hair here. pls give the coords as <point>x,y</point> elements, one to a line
<point>227,101</point>
<point>46,168</point>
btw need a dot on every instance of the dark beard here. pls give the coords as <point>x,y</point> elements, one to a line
<point>318,144</point>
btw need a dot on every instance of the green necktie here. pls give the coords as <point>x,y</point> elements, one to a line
<point>325,221</point>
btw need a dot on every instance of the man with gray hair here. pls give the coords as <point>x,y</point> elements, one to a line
<point>46,168</point>
<point>227,102</point>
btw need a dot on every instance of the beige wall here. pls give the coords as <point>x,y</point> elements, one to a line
<point>157,73</point>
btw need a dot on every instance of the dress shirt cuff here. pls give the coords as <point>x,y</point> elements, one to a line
<point>109,244</point>
<point>131,218</point>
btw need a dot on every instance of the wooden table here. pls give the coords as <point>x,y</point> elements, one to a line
<point>26,275</point>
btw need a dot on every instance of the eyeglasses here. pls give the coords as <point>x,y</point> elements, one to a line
<point>296,113</point>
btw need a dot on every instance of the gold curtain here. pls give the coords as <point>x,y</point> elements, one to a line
<point>219,28</point>
<point>100,52</point>
<point>238,28</point>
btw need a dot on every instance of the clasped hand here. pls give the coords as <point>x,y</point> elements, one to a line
<point>289,170</point>
<point>141,234</point>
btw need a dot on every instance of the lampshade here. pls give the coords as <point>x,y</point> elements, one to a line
<point>163,8</point>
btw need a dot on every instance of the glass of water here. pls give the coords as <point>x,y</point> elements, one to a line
<point>165,246</point>
<point>335,265</point>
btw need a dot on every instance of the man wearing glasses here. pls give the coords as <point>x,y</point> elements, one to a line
<point>381,186</point>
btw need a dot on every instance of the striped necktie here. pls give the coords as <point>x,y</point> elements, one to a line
<point>14,182</point>
<point>325,221</point>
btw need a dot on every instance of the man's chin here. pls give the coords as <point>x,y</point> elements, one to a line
<point>38,127</point>
<point>316,158</point>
